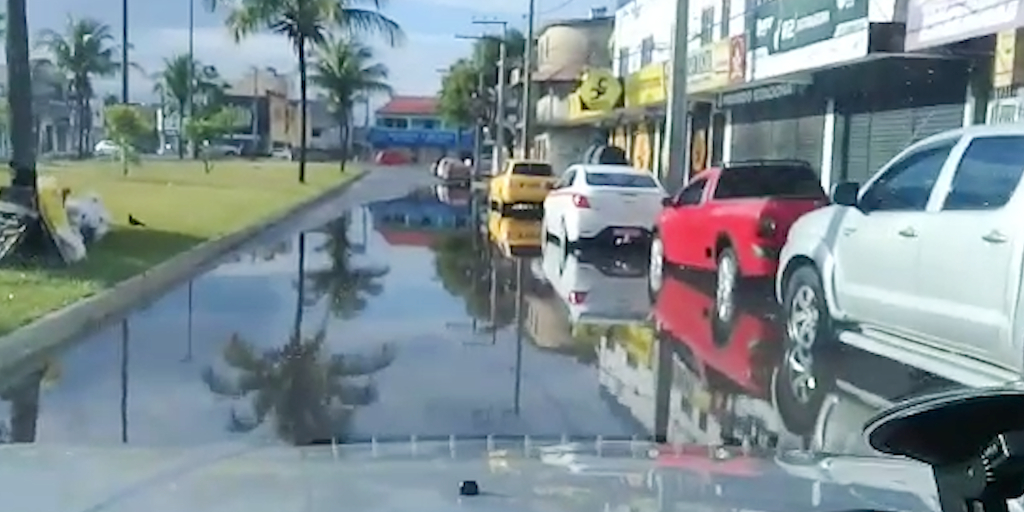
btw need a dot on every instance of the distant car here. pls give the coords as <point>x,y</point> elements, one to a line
<point>284,153</point>
<point>451,169</point>
<point>614,204</point>
<point>106,148</point>
<point>221,150</point>
<point>388,157</point>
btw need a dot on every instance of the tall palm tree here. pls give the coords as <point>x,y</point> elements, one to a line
<point>173,81</point>
<point>345,287</point>
<point>84,50</point>
<point>19,95</point>
<point>306,23</point>
<point>344,68</point>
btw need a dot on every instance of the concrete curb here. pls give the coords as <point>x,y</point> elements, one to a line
<point>94,312</point>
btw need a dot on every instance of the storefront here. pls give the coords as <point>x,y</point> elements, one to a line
<point>711,68</point>
<point>783,120</point>
<point>646,92</point>
<point>898,103</point>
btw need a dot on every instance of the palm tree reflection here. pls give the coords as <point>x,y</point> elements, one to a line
<point>346,287</point>
<point>311,393</point>
<point>465,272</point>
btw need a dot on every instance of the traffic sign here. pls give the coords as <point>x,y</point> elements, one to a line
<point>600,90</point>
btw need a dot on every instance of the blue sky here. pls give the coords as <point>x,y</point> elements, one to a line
<point>159,29</point>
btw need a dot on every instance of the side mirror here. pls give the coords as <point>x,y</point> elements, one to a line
<point>845,194</point>
<point>666,202</point>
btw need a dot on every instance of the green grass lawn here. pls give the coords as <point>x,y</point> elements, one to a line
<point>181,206</point>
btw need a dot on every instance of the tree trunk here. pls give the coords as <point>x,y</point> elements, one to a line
<point>342,153</point>
<point>303,86</point>
<point>181,129</point>
<point>19,96</point>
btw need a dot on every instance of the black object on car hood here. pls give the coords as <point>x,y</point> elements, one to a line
<point>424,476</point>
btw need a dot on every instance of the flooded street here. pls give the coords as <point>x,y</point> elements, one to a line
<point>395,313</point>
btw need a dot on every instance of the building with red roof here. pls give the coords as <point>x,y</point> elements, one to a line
<point>413,126</point>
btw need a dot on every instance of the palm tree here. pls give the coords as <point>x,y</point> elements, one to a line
<point>310,393</point>
<point>306,23</point>
<point>344,286</point>
<point>85,49</point>
<point>173,82</point>
<point>19,96</point>
<point>345,69</point>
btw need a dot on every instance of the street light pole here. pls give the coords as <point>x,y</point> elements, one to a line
<point>528,81</point>
<point>190,98</point>
<point>500,117</point>
<point>676,131</point>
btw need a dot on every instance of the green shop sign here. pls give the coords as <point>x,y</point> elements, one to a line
<point>783,25</point>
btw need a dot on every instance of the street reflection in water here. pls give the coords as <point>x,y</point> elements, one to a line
<point>423,314</point>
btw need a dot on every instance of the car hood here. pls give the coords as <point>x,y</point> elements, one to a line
<point>418,476</point>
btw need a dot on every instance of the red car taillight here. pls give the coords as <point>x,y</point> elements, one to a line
<point>580,201</point>
<point>577,298</point>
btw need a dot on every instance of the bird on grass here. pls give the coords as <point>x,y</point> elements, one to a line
<point>132,221</point>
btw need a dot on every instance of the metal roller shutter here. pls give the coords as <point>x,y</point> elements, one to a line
<point>798,138</point>
<point>875,137</point>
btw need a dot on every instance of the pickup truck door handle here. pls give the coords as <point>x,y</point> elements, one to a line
<point>908,232</point>
<point>849,231</point>
<point>995,237</point>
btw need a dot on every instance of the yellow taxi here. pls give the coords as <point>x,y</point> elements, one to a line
<point>521,182</point>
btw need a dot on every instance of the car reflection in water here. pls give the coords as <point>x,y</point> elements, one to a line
<point>721,370</point>
<point>515,237</point>
<point>607,288</point>
<point>453,195</point>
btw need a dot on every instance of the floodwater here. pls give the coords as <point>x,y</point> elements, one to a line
<point>399,311</point>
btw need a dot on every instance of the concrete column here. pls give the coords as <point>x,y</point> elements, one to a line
<point>828,145</point>
<point>727,137</point>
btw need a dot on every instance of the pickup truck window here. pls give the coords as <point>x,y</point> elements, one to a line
<point>692,194</point>
<point>620,179</point>
<point>907,185</point>
<point>788,181</point>
<point>532,169</point>
<point>988,174</point>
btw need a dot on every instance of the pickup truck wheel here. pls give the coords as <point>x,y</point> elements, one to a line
<point>656,268</point>
<point>727,276</point>
<point>804,379</point>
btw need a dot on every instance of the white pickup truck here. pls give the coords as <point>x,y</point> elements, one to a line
<point>922,264</point>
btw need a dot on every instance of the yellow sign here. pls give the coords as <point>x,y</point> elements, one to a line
<point>648,86</point>
<point>1009,59</point>
<point>708,67</point>
<point>600,90</point>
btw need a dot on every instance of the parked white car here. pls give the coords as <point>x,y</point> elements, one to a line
<point>923,264</point>
<point>106,148</point>
<point>605,203</point>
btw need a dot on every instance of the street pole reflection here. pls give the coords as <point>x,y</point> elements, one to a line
<point>188,337</point>
<point>662,388</point>
<point>519,331</point>
<point>124,380</point>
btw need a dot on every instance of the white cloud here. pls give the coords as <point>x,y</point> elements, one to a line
<point>413,65</point>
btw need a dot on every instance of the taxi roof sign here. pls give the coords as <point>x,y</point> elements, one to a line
<point>600,90</point>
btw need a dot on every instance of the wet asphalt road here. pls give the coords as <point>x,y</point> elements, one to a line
<point>390,335</point>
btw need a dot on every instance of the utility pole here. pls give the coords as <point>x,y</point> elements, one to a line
<point>124,73</point>
<point>189,100</point>
<point>499,110</point>
<point>677,124</point>
<point>528,81</point>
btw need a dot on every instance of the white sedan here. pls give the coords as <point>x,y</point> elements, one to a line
<point>614,204</point>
